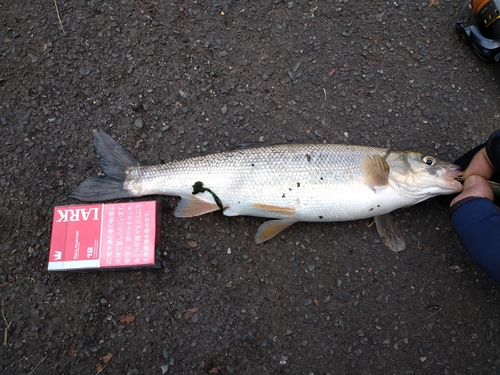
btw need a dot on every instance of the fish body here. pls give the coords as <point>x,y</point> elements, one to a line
<point>285,182</point>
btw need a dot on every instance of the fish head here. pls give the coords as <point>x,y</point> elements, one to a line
<point>422,176</point>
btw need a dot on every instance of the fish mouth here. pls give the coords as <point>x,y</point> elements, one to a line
<point>454,176</point>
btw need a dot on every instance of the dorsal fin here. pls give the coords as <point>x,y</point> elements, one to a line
<point>256,144</point>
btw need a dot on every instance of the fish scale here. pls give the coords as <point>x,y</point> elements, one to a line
<point>287,182</point>
<point>322,182</point>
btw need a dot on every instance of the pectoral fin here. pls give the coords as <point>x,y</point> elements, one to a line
<point>275,209</point>
<point>271,228</point>
<point>387,229</point>
<point>192,205</point>
<point>376,171</point>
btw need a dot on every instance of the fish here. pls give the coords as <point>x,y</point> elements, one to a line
<point>285,183</point>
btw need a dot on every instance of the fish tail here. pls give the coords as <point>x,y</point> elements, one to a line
<point>114,160</point>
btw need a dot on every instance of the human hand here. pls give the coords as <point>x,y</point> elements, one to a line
<point>475,177</point>
<point>480,164</point>
<point>473,212</point>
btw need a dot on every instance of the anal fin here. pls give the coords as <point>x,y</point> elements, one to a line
<point>387,229</point>
<point>271,228</point>
<point>190,206</point>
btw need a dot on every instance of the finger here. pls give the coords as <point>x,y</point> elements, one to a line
<point>474,186</point>
<point>480,165</point>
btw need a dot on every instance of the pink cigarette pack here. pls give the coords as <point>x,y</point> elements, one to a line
<point>105,236</point>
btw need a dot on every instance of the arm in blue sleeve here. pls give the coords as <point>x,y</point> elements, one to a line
<point>477,221</point>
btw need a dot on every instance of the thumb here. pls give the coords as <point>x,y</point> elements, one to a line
<point>474,186</point>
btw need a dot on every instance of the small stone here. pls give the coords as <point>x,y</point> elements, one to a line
<point>18,344</point>
<point>138,123</point>
<point>447,325</point>
<point>33,58</point>
<point>346,296</point>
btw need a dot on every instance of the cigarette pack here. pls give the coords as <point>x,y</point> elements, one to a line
<point>105,236</point>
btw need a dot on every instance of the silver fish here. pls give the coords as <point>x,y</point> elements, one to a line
<point>284,182</point>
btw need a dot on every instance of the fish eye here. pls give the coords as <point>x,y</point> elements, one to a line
<point>429,160</point>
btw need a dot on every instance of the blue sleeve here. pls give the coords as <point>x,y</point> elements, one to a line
<point>477,221</point>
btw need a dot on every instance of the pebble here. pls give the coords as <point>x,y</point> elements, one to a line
<point>138,123</point>
<point>18,344</point>
<point>33,58</point>
<point>447,325</point>
<point>346,296</point>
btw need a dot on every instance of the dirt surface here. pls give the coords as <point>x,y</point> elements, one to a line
<point>175,79</point>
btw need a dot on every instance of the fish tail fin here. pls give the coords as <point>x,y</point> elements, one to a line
<point>114,159</point>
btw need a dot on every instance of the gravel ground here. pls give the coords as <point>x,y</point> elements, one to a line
<point>175,79</point>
